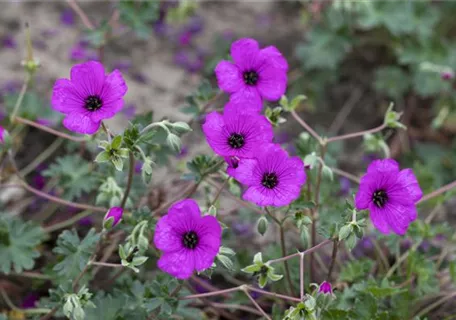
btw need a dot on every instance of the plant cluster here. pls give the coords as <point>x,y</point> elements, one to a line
<point>362,254</point>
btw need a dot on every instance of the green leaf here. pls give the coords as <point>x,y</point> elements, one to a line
<point>355,270</point>
<point>392,81</point>
<point>102,157</point>
<point>154,303</point>
<point>262,280</point>
<point>258,258</point>
<point>226,262</point>
<point>118,163</point>
<point>262,225</point>
<point>345,231</point>
<point>452,268</point>
<point>74,176</point>
<point>251,269</point>
<point>18,242</point>
<point>226,251</point>
<point>74,252</point>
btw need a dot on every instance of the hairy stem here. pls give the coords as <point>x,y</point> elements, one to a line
<point>67,223</point>
<point>106,264</point>
<point>356,134</point>
<point>131,172</point>
<point>256,304</point>
<point>308,251</point>
<point>307,127</point>
<point>76,8</point>
<point>49,130</point>
<point>21,97</point>
<point>333,259</point>
<point>438,192</point>
<point>301,275</point>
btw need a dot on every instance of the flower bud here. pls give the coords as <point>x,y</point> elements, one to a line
<point>262,225</point>
<point>325,288</point>
<point>174,142</point>
<point>112,217</point>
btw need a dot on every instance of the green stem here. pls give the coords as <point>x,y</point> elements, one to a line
<point>69,222</point>
<point>21,97</point>
<point>131,172</point>
<point>333,259</point>
<point>41,157</point>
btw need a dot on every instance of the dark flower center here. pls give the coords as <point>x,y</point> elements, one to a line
<point>270,180</point>
<point>93,103</point>
<point>250,78</point>
<point>236,140</point>
<point>190,240</point>
<point>380,198</point>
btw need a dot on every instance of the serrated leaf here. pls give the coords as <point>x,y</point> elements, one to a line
<point>74,252</point>
<point>18,242</point>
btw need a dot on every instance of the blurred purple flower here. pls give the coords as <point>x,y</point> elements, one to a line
<point>122,65</point>
<point>195,25</point>
<point>39,182</point>
<point>344,187</point>
<point>44,122</point>
<point>86,222</point>
<point>242,228</point>
<point>67,17</point>
<point>140,77</point>
<point>199,288</point>
<point>10,86</point>
<point>325,288</point>
<point>9,42</point>
<point>183,152</point>
<point>129,111</point>
<point>30,300</point>
<point>425,246</point>
<point>406,244</point>
<point>447,75</point>
<point>138,166</point>
<point>185,38</point>
<point>49,33</point>
<point>39,44</point>
<point>191,61</point>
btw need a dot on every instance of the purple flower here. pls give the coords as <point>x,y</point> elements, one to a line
<point>3,133</point>
<point>344,186</point>
<point>88,97</point>
<point>129,111</point>
<point>189,242</point>
<point>325,288</point>
<point>255,73</point>
<point>447,75</point>
<point>185,38</point>
<point>273,179</point>
<point>390,195</point>
<point>67,17</point>
<point>113,216</point>
<point>236,133</point>
<point>9,42</point>
<point>86,222</point>
<point>30,300</point>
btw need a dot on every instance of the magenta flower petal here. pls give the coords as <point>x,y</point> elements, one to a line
<point>229,77</point>
<point>325,288</point>
<point>245,52</point>
<point>89,97</point>
<point>80,123</point>
<point>2,134</point>
<point>115,213</point>
<point>274,179</point>
<point>390,195</point>
<point>237,133</point>
<point>189,242</point>
<point>180,264</point>
<point>255,74</point>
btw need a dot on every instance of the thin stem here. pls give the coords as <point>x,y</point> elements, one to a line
<point>272,216</point>
<point>62,201</point>
<point>106,264</point>
<point>356,134</point>
<point>210,294</point>
<point>381,255</point>
<point>76,8</point>
<point>11,305</point>
<point>435,305</point>
<point>273,294</point>
<point>131,172</point>
<point>285,262</point>
<point>308,251</point>
<point>402,259</point>
<point>347,175</point>
<point>186,193</point>
<point>50,313</point>
<point>301,275</point>
<point>69,222</point>
<point>438,192</point>
<point>49,130</point>
<point>41,157</point>
<point>21,97</point>
<point>256,305</point>
<point>32,275</point>
<point>333,259</point>
<point>176,289</point>
<point>219,191</point>
<point>236,307</point>
<point>315,210</point>
<point>307,127</point>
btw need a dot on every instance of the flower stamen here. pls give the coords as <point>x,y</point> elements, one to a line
<point>93,103</point>
<point>236,141</point>
<point>270,180</point>
<point>190,240</point>
<point>250,77</point>
<point>380,198</point>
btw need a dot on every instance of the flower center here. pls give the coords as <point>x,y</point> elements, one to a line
<point>250,78</point>
<point>270,180</point>
<point>236,140</point>
<point>93,103</point>
<point>380,198</point>
<point>190,240</point>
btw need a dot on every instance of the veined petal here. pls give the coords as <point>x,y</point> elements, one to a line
<point>88,78</point>
<point>80,123</point>
<point>229,78</point>
<point>180,264</point>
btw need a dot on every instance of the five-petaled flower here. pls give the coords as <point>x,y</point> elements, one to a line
<point>189,241</point>
<point>237,133</point>
<point>325,288</point>
<point>273,178</point>
<point>390,195</point>
<point>255,73</point>
<point>88,97</point>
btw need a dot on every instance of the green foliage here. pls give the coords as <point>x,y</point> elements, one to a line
<point>74,253</point>
<point>18,242</point>
<point>262,270</point>
<point>139,15</point>
<point>201,166</point>
<point>112,152</point>
<point>356,270</point>
<point>74,176</point>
